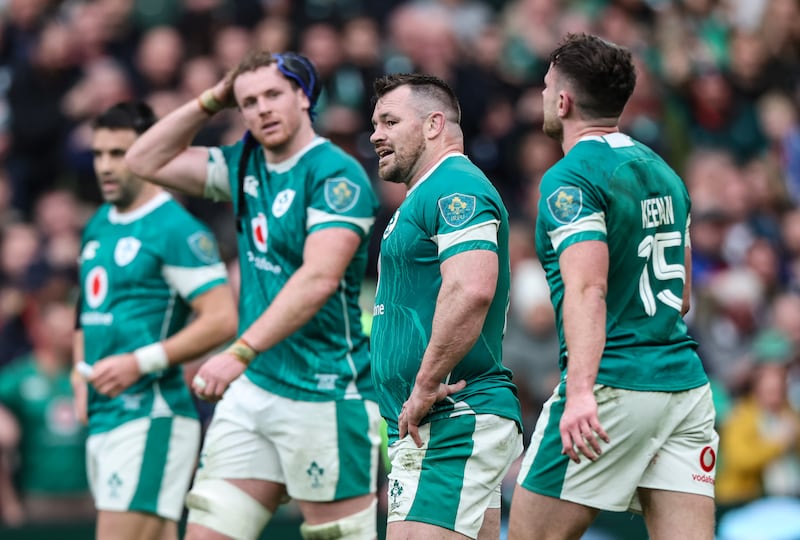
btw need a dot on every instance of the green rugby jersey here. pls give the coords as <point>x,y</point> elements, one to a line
<point>616,190</point>
<point>451,210</point>
<point>52,449</point>
<point>138,272</point>
<point>319,187</point>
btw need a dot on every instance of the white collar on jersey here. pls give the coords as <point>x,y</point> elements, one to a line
<point>430,172</point>
<point>123,218</point>
<point>614,140</point>
<point>287,164</point>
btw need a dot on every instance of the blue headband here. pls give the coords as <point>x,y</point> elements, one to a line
<point>299,69</point>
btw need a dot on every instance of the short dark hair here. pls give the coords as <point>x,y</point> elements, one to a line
<point>601,73</point>
<point>298,69</point>
<point>426,86</point>
<point>135,115</point>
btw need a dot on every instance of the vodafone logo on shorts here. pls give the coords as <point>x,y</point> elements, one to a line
<point>259,226</point>
<point>708,458</point>
<point>96,286</point>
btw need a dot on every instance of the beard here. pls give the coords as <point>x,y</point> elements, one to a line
<point>553,128</point>
<point>124,195</point>
<point>401,171</point>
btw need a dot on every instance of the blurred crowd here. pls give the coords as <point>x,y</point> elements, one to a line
<point>718,96</point>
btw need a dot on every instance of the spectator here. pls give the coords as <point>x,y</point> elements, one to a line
<point>759,440</point>
<point>36,389</point>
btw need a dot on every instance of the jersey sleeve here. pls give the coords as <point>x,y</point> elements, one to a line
<point>343,198</point>
<point>218,183</point>
<point>192,264</point>
<point>465,220</point>
<point>571,210</point>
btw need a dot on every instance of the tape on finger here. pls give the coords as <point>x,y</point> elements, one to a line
<point>199,383</point>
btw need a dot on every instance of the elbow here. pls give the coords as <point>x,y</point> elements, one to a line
<point>481,297</point>
<point>227,326</point>
<point>325,287</point>
<point>136,164</point>
<point>222,326</point>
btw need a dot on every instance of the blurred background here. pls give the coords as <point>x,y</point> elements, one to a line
<point>718,96</point>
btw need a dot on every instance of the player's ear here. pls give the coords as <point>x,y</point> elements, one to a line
<point>434,124</point>
<point>565,103</point>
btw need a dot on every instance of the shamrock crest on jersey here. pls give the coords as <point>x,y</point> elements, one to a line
<point>126,250</point>
<point>391,224</point>
<point>283,201</point>
<point>341,194</point>
<point>457,208</point>
<point>203,246</point>
<point>565,204</point>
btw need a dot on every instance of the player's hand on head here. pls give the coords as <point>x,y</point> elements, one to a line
<point>214,376</point>
<point>580,428</point>
<point>113,374</point>
<point>223,91</point>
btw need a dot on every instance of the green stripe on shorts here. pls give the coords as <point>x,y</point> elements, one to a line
<point>355,449</point>
<point>154,461</point>
<point>442,477</point>
<point>549,467</point>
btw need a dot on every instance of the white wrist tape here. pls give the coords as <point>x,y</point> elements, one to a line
<point>151,358</point>
<point>84,369</point>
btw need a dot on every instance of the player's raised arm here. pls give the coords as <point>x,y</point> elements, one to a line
<point>163,154</point>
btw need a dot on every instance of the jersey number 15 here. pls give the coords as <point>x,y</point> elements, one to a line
<point>654,249</point>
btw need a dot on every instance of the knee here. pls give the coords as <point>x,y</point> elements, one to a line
<point>223,507</point>
<point>358,526</point>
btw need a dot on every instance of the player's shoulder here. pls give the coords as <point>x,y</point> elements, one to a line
<point>99,218</point>
<point>458,172</point>
<point>228,151</point>
<point>176,215</point>
<point>327,158</point>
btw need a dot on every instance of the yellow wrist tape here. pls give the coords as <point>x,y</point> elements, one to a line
<point>208,103</point>
<point>242,351</point>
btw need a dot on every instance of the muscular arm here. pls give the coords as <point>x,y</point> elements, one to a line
<point>163,156</point>
<point>469,281</point>
<point>326,255</point>
<point>584,270</point>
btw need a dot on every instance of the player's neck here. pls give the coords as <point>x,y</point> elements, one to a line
<point>300,140</point>
<point>573,134</point>
<point>432,157</point>
<point>147,192</point>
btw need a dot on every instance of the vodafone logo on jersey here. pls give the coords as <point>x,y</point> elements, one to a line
<point>708,458</point>
<point>259,226</point>
<point>96,287</point>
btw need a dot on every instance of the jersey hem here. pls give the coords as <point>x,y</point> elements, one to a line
<point>646,388</point>
<point>106,428</point>
<point>293,393</point>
